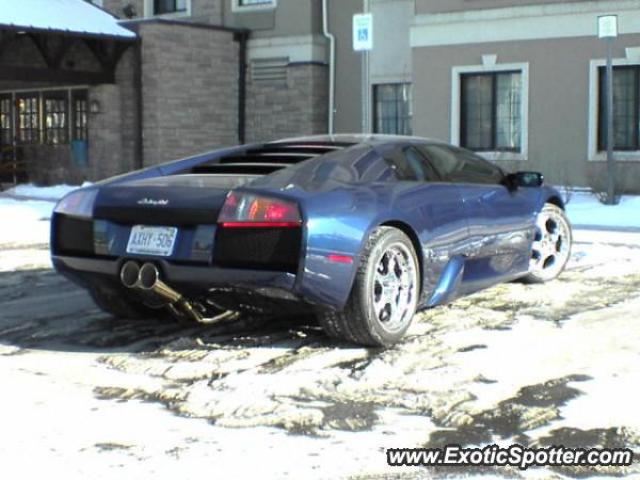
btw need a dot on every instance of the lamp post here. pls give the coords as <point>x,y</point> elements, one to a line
<point>608,30</point>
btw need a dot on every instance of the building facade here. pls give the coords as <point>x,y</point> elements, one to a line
<point>519,81</point>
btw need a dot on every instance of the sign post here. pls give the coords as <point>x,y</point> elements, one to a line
<point>608,30</point>
<point>363,42</point>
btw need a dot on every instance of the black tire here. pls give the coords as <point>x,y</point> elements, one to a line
<point>119,306</point>
<point>359,322</point>
<point>548,262</point>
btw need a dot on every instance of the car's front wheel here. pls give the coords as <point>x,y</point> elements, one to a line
<point>385,293</point>
<point>551,246</point>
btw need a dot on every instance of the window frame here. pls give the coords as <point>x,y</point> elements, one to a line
<point>375,95</point>
<point>68,93</point>
<point>488,67</point>
<point>59,95</point>
<point>35,139</point>
<point>8,97</point>
<point>494,111</point>
<point>149,10</point>
<point>594,153</point>
<point>238,7</point>
<point>77,96</point>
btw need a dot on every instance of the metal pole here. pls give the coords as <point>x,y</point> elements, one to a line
<point>611,166</point>
<point>365,83</point>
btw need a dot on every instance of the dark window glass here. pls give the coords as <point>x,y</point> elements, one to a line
<point>169,6</point>
<point>6,120</point>
<point>423,170</point>
<point>393,111</point>
<point>28,114</point>
<point>56,125</point>
<point>80,112</point>
<point>409,164</point>
<point>626,108</point>
<point>463,166</point>
<point>491,111</point>
<point>245,3</point>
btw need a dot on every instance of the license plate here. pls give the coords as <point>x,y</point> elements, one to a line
<point>157,241</point>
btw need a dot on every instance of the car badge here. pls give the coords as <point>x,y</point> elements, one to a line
<point>151,201</point>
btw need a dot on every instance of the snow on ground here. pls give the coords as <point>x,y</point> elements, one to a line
<point>85,394</point>
<point>52,193</point>
<point>585,209</point>
<point>25,211</point>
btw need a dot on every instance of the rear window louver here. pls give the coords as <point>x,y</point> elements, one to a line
<point>268,158</point>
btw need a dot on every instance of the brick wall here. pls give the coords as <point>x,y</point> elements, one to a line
<point>111,130</point>
<point>283,109</point>
<point>190,90</point>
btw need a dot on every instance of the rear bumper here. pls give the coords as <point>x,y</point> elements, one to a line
<point>190,280</point>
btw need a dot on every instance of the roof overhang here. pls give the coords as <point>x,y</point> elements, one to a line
<point>76,18</point>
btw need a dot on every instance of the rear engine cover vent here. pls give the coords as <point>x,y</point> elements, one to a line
<point>269,70</point>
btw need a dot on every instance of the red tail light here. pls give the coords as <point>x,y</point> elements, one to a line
<point>243,210</point>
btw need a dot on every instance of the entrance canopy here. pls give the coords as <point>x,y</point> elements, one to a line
<point>69,17</point>
<point>63,33</point>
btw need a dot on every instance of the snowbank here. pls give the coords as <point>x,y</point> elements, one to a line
<point>585,209</point>
<point>47,193</point>
<point>25,211</point>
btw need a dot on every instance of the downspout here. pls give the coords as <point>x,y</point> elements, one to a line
<point>332,65</point>
<point>139,106</point>
<point>242,39</point>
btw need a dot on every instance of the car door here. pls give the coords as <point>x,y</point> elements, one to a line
<point>434,209</point>
<point>500,220</point>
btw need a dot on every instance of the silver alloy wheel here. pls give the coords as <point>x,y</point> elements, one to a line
<point>395,287</point>
<point>552,244</point>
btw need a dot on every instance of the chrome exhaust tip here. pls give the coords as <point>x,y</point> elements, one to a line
<point>148,276</point>
<point>149,280</point>
<point>129,274</point>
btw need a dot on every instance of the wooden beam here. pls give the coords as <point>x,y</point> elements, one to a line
<point>108,53</point>
<point>26,74</point>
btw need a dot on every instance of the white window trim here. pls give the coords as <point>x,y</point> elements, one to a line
<point>594,154</point>
<point>236,7</point>
<point>148,11</point>
<point>456,75</point>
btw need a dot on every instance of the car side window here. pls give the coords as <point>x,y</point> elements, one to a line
<point>410,165</point>
<point>462,166</point>
<point>400,165</point>
<point>423,170</point>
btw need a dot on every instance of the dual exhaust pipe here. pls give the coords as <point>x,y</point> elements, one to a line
<point>146,278</point>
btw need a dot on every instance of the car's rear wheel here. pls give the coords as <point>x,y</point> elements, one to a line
<point>385,293</point>
<point>551,247</point>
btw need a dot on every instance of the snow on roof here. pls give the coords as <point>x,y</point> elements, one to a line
<point>67,16</point>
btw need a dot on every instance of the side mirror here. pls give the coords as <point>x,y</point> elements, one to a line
<point>524,179</point>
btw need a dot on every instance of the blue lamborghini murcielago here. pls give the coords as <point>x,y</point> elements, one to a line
<point>363,231</point>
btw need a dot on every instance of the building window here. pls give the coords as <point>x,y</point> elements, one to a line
<point>626,108</point>
<point>6,121</point>
<point>161,7</point>
<point>55,118</point>
<point>393,109</point>
<point>80,108</point>
<point>28,109</point>
<point>48,117</point>
<point>491,113</point>
<point>240,5</point>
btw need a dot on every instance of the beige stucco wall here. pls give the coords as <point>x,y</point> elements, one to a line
<point>440,6</point>
<point>558,100</point>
